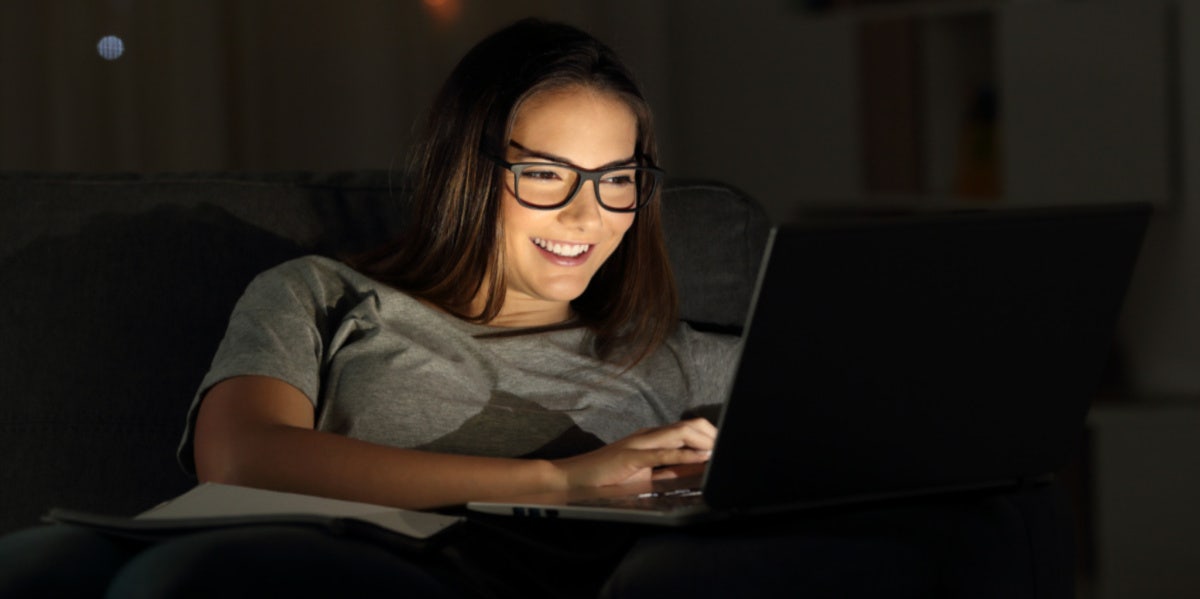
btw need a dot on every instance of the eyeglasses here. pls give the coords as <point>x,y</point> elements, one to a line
<point>551,185</point>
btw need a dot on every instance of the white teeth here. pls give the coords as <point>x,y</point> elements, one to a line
<point>566,250</point>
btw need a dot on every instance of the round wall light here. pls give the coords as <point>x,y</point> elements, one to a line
<point>110,47</point>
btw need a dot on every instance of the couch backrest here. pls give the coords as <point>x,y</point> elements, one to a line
<point>117,290</point>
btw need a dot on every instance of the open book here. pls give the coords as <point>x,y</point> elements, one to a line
<point>209,505</point>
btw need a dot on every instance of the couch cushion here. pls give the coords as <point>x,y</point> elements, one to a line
<point>715,236</point>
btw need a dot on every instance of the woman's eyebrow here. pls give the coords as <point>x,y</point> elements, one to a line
<point>528,153</point>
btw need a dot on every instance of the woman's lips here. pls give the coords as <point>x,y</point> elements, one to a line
<point>563,253</point>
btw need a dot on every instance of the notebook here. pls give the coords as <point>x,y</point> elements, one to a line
<point>901,355</point>
<point>211,506</point>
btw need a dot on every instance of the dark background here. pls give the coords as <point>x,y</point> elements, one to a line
<point>798,102</point>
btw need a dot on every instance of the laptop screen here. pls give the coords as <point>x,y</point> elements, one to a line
<point>914,351</point>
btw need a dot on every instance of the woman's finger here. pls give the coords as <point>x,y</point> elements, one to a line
<point>657,458</point>
<point>677,471</point>
<point>680,435</point>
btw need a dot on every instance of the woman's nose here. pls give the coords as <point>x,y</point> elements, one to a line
<point>585,210</point>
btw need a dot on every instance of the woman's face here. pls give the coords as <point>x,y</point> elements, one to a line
<point>551,255</point>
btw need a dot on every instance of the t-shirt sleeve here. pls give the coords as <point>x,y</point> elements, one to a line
<point>275,330</point>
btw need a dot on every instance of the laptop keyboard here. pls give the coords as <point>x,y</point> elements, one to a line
<point>655,500</point>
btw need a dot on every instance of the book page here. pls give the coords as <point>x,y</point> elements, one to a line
<point>210,500</point>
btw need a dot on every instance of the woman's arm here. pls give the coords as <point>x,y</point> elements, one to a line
<point>258,431</point>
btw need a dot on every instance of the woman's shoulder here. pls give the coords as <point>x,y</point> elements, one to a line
<point>314,271</point>
<point>324,281</point>
<point>312,266</point>
<point>309,279</point>
<point>696,349</point>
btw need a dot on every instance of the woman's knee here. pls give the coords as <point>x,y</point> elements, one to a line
<point>269,561</point>
<point>60,560</point>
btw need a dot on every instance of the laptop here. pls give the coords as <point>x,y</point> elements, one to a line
<point>898,356</point>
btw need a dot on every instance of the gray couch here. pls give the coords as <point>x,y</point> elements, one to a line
<point>116,291</point>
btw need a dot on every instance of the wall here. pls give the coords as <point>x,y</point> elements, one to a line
<point>1166,333</point>
<point>1147,477</point>
<point>276,84</point>
<point>764,96</point>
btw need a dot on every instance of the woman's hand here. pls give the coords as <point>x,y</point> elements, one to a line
<point>637,456</point>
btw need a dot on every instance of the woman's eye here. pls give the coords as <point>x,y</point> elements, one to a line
<point>618,179</point>
<point>540,174</point>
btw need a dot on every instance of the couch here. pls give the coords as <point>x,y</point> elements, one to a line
<point>116,291</point>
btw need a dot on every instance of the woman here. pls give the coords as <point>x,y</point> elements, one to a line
<point>521,337</point>
<point>535,251</point>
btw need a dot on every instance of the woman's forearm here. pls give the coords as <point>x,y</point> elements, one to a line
<point>318,463</point>
<point>258,431</point>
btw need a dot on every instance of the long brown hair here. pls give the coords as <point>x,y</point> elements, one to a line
<point>454,246</point>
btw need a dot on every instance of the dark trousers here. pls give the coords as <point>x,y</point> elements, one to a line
<point>1011,545</point>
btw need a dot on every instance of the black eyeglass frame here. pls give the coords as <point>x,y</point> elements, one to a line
<point>585,175</point>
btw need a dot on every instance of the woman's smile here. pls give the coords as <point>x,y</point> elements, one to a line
<point>564,253</point>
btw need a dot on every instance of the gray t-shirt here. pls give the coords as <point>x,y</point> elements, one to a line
<point>382,367</point>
